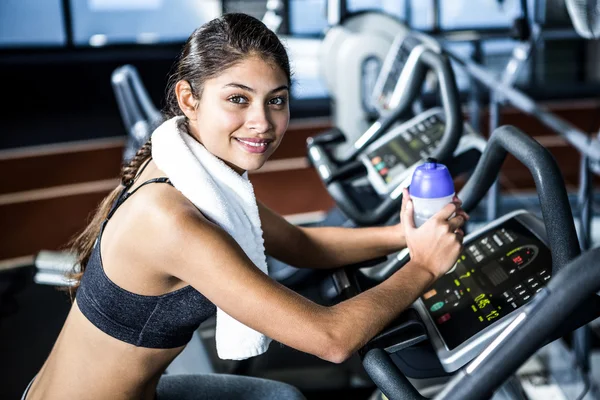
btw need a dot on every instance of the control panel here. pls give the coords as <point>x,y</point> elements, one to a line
<point>391,158</point>
<point>500,270</point>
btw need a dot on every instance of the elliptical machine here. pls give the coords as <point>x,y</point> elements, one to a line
<point>507,270</point>
<point>351,57</point>
<point>366,176</point>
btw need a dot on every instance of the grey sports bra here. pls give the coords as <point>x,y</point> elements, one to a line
<point>164,321</point>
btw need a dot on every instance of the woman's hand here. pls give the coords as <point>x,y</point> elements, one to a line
<point>436,245</point>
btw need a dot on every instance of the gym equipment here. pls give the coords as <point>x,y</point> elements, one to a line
<point>366,177</point>
<point>138,112</point>
<point>585,15</point>
<point>351,56</point>
<point>503,92</point>
<point>513,290</point>
<point>398,70</point>
<point>504,267</point>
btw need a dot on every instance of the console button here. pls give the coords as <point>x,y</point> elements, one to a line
<point>437,306</point>
<point>534,285</point>
<point>518,288</point>
<point>443,318</point>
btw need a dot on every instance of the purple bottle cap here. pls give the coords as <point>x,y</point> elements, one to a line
<point>431,180</point>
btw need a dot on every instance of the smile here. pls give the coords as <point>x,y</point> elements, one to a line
<point>256,146</point>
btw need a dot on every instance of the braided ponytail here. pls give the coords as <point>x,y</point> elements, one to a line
<point>83,244</point>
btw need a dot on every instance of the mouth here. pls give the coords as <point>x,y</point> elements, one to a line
<point>254,145</point>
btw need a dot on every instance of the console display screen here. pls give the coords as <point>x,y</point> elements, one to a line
<point>407,147</point>
<point>390,76</point>
<point>497,272</point>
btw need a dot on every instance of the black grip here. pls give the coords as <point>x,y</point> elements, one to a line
<point>549,183</point>
<point>575,286</point>
<point>388,377</point>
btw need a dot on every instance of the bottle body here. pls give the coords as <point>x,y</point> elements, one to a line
<point>425,208</point>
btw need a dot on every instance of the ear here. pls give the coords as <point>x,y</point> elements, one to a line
<point>186,100</point>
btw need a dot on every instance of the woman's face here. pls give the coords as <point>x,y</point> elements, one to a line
<point>242,113</point>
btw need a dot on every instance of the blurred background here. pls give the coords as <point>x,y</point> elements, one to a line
<point>63,136</point>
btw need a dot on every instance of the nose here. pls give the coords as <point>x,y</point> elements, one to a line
<point>258,119</point>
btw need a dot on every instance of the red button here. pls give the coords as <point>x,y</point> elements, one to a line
<point>384,171</point>
<point>443,318</point>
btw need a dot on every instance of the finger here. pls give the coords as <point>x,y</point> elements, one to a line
<point>456,222</point>
<point>463,213</point>
<point>405,198</point>
<point>446,212</point>
<point>460,235</point>
<point>456,200</point>
<point>407,217</point>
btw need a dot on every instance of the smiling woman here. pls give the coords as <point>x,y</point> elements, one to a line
<point>156,264</point>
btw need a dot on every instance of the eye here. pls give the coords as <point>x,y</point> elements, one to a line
<point>238,99</point>
<point>278,101</point>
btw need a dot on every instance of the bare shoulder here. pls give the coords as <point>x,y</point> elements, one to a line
<point>152,226</point>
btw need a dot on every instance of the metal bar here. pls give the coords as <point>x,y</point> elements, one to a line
<point>475,93</point>
<point>584,203</point>
<point>582,337</point>
<point>467,35</point>
<point>437,16</point>
<point>68,23</point>
<point>493,195</point>
<point>577,138</point>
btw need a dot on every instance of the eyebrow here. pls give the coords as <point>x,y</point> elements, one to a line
<point>249,89</point>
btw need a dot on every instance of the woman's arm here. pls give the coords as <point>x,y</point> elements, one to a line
<point>333,247</point>
<point>203,255</point>
<point>326,247</point>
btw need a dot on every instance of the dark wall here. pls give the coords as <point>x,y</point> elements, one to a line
<point>67,96</point>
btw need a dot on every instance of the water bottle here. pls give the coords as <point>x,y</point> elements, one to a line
<point>431,189</point>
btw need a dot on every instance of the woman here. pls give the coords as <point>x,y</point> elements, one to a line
<point>157,265</point>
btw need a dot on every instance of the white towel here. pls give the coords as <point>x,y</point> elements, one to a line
<point>227,199</point>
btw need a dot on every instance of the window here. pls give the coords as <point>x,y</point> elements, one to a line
<point>308,17</point>
<point>421,14</point>
<point>105,22</point>
<point>468,14</point>
<point>304,58</point>
<point>25,23</point>
<point>256,8</point>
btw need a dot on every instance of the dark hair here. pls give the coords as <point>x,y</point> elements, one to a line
<point>212,48</point>
<point>218,45</point>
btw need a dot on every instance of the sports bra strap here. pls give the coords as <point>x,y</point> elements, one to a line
<point>125,195</point>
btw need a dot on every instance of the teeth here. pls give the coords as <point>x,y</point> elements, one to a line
<point>263,144</point>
